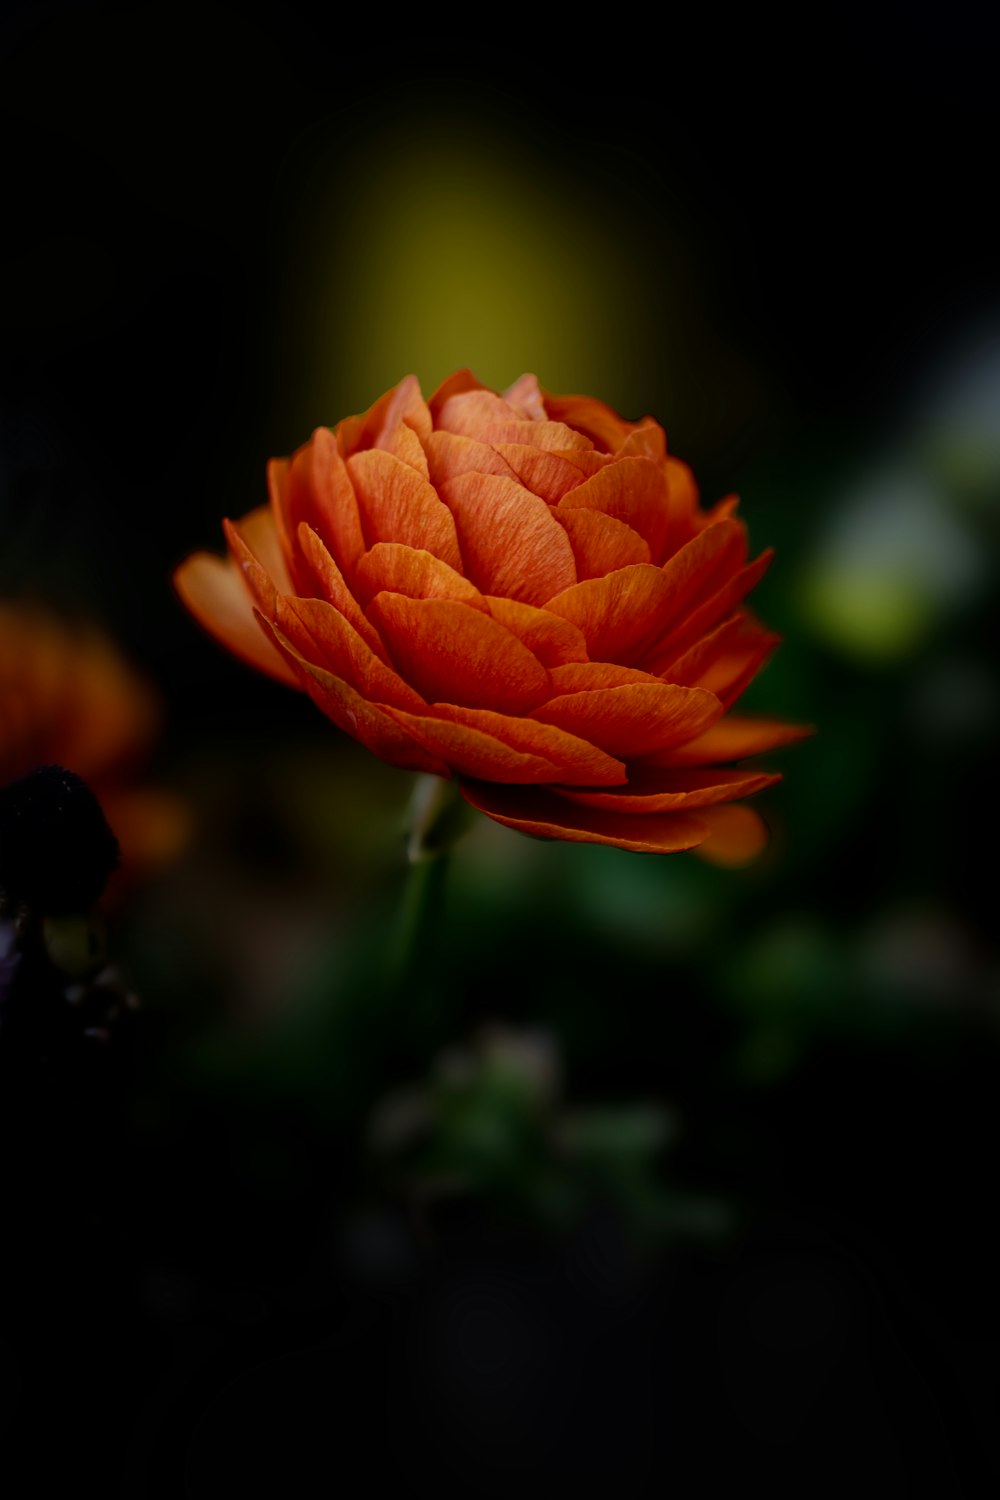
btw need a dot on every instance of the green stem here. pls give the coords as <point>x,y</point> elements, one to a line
<point>437,818</point>
<point>418,922</point>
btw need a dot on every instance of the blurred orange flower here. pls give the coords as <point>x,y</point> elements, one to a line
<point>67,698</point>
<point>520,590</point>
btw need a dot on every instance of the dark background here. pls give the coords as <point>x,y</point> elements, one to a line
<point>225,225</point>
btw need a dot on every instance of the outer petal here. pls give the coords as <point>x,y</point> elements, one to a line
<point>733,738</point>
<point>257,529</point>
<point>707,614</point>
<point>684,498</point>
<point>396,505</point>
<point>510,542</point>
<point>322,636</point>
<point>212,588</point>
<point>633,490</point>
<point>637,719</point>
<point>330,585</point>
<point>736,835</point>
<point>375,727</point>
<point>600,543</point>
<point>620,615</point>
<point>543,813</point>
<point>689,667</point>
<point>315,488</point>
<point>456,654</point>
<point>259,583</point>
<point>722,509</point>
<point>499,747</point>
<point>672,791</point>
<point>278,470</point>
<point>742,645</point>
<point>698,570</point>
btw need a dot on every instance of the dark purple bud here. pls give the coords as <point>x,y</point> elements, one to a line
<point>56,849</point>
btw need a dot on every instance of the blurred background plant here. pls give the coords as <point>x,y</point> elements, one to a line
<point>724,1140</point>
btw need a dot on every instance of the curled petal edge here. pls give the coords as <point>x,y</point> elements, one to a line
<point>541,812</point>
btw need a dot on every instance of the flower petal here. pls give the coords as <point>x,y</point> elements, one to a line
<point>330,585</point>
<point>633,490</point>
<point>727,660</point>
<point>689,667</point>
<point>540,812</point>
<point>734,738</point>
<point>621,614</point>
<point>294,490</point>
<point>260,534</point>
<point>684,497</point>
<point>548,436</point>
<point>315,488</point>
<point>551,638</point>
<point>322,636</point>
<point>412,571</point>
<point>600,543</point>
<point>706,615</point>
<point>469,412</point>
<point>699,568</point>
<point>449,455</point>
<point>396,505</point>
<point>736,835</point>
<point>214,591</point>
<point>277,489</point>
<point>722,509</point>
<point>588,676</point>
<point>258,581</point>
<point>406,405</point>
<point>648,440</point>
<point>454,385</point>
<point>546,474</point>
<point>587,460</point>
<point>404,444</point>
<point>375,727</point>
<point>452,653</point>
<point>637,719</point>
<point>526,398</point>
<point>376,427</point>
<point>498,747</point>
<point>670,791</point>
<point>593,418</point>
<point>510,542</point>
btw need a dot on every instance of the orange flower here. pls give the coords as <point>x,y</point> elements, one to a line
<point>518,590</point>
<point>68,698</point>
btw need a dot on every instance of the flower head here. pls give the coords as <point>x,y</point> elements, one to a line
<point>67,698</point>
<point>518,590</point>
